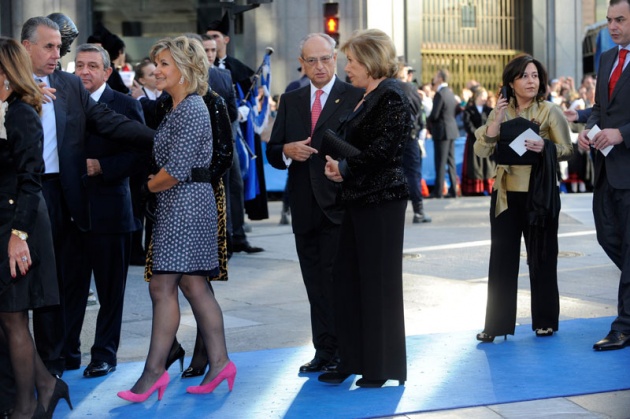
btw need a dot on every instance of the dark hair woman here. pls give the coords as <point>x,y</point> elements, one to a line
<point>525,199</point>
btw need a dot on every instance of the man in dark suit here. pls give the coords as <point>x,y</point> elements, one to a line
<point>611,194</point>
<point>444,131</point>
<point>412,156</point>
<point>316,215</point>
<point>109,166</point>
<point>66,121</point>
<point>220,79</point>
<point>241,74</point>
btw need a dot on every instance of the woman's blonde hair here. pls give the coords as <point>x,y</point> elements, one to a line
<point>190,58</point>
<point>18,70</point>
<point>375,50</point>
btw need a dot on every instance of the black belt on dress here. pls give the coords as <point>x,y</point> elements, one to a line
<point>200,174</point>
<point>50,176</point>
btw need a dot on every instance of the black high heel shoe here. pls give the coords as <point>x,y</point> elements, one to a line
<point>61,391</point>
<point>544,332</point>
<point>194,372</point>
<point>486,338</point>
<point>173,356</point>
<point>39,413</point>
<point>370,383</point>
<point>199,357</point>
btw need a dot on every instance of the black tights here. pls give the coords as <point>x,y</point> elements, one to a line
<point>29,371</point>
<point>200,355</point>
<point>166,317</point>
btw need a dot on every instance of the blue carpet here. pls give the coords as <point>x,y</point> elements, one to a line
<point>445,371</point>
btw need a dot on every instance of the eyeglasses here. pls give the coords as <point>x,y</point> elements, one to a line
<point>312,61</point>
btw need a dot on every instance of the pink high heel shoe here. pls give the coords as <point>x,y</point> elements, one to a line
<point>227,373</point>
<point>160,385</point>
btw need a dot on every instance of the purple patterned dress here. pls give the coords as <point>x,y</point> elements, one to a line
<point>185,233</point>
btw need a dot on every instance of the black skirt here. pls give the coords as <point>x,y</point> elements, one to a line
<point>38,288</point>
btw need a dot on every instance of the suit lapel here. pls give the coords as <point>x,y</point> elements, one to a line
<point>60,105</point>
<point>304,103</point>
<point>107,96</point>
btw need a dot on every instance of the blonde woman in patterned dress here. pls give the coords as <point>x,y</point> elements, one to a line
<point>184,235</point>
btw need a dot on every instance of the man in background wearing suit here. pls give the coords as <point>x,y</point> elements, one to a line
<point>316,216</point>
<point>611,194</point>
<point>412,156</point>
<point>109,166</point>
<point>220,79</point>
<point>257,207</point>
<point>65,121</point>
<point>241,74</point>
<point>444,131</point>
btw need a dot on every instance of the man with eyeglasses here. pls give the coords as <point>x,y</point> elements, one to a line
<point>303,116</point>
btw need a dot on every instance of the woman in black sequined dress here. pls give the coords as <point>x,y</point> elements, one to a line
<point>368,271</point>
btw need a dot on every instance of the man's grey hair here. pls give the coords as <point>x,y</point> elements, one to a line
<point>96,48</point>
<point>444,75</point>
<point>29,29</point>
<point>327,38</point>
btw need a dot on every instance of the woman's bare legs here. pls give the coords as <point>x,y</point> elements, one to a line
<point>163,291</point>
<point>209,322</point>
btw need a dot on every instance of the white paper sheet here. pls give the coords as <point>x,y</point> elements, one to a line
<point>518,144</point>
<point>592,133</point>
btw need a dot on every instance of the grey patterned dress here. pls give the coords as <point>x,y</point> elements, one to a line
<point>185,233</point>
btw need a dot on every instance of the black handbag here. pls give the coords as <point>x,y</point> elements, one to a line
<point>509,131</point>
<point>336,147</point>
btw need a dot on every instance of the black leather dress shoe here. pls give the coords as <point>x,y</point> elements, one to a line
<point>614,340</point>
<point>314,365</point>
<point>98,369</point>
<point>333,377</point>
<point>332,365</point>
<point>246,247</point>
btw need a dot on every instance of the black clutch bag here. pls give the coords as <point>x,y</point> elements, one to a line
<point>508,132</point>
<point>336,147</point>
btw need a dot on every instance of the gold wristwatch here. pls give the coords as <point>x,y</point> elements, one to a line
<point>21,234</point>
